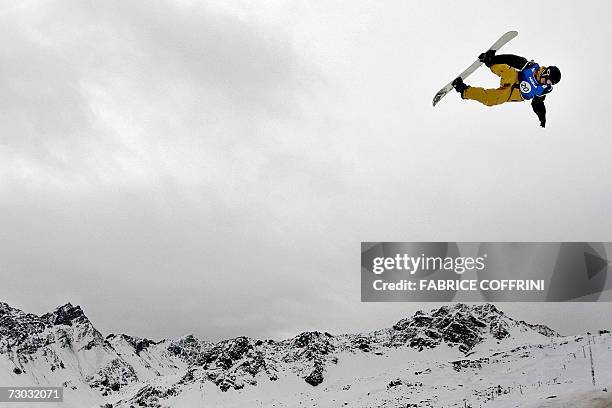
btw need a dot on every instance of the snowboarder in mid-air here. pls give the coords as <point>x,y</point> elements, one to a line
<point>520,80</point>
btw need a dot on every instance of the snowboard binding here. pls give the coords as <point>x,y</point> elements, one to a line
<point>459,85</point>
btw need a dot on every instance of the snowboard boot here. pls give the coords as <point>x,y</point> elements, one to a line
<point>459,86</point>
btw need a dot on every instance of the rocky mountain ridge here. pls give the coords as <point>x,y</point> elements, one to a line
<point>63,347</point>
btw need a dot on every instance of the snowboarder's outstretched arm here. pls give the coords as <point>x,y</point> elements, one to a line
<point>539,108</point>
<point>489,58</point>
<point>512,60</point>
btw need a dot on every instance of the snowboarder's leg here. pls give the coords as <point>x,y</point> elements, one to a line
<point>516,96</point>
<point>489,97</point>
<point>507,92</point>
<point>507,74</point>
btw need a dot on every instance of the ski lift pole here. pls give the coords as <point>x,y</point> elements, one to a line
<point>591,357</point>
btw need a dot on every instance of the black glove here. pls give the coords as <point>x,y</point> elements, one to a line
<point>487,57</point>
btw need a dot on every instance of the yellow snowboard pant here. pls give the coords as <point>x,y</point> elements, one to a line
<point>508,90</point>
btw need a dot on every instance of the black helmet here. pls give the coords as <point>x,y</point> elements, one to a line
<point>552,73</point>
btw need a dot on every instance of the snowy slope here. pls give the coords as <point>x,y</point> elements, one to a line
<point>452,356</point>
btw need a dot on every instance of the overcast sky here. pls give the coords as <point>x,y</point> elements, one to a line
<point>183,166</point>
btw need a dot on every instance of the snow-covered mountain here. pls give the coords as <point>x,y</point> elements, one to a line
<point>456,355</point>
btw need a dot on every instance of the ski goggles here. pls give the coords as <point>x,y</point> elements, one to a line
<point>546,76</point>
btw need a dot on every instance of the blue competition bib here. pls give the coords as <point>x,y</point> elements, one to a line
<point>528,84</point>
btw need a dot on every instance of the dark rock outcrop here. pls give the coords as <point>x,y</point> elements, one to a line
<point>316,376</point>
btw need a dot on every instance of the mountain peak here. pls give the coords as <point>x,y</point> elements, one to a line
<point>65,315</point>
<point>459,324</point>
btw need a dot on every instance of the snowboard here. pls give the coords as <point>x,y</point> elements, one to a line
<point>503,40</point>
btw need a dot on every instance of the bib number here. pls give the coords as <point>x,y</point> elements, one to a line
<point>525,87</point>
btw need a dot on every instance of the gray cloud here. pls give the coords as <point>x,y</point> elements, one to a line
<point>149,175</point>
<point>177,167</point>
